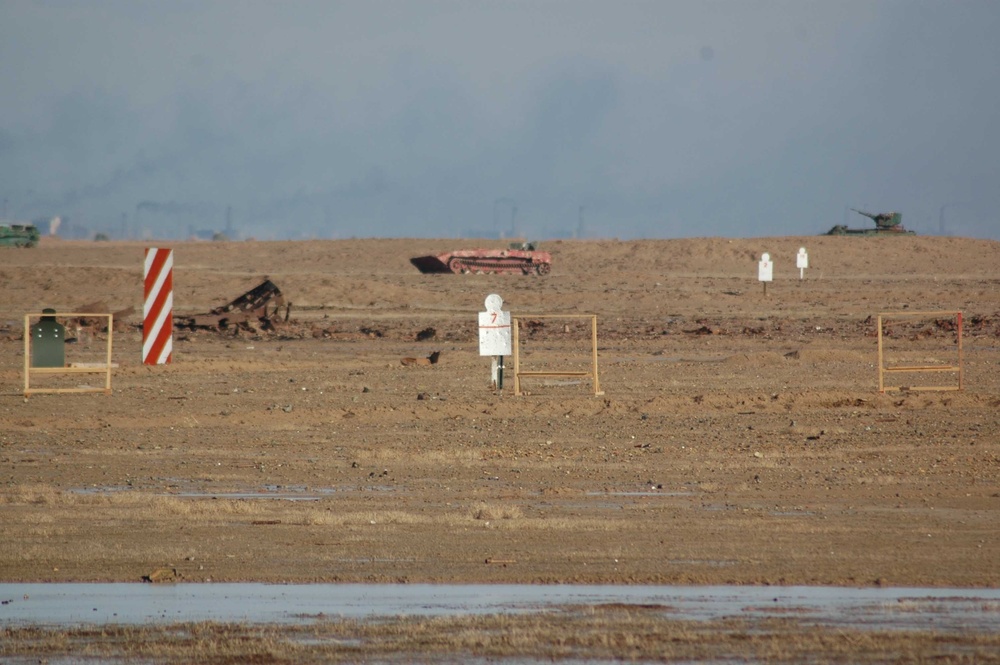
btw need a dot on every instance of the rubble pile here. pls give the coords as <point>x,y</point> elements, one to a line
<point>259,309</point>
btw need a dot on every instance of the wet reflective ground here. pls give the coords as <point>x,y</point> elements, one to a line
<point>61,605</point>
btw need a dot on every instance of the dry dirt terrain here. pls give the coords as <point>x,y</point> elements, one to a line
<point>740,439</point>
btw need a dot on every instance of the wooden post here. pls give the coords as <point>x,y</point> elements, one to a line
<point>960,364</point>
<point>107,358</point>
<point>881,385</point>
<point>593,342</point>
<point>515,327</point>
<point>27,353</point>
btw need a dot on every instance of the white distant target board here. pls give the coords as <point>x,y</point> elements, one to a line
<point>802,261</point>
<point>765,269</point>
<point>494,328</point>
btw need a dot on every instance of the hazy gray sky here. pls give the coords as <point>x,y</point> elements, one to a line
<point>440,118</point>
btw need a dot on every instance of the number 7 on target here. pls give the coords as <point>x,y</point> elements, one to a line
<point>494,335</point>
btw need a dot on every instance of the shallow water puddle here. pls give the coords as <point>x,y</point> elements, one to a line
<point>273,492</point>
<point>54,605</point>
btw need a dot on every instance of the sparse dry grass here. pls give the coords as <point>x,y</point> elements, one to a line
<point>20,508</point>
<point>131,501</point>
<point>495,511</point>
<point>593,633</point>
<point>42,495</point>
<point>333,518</point>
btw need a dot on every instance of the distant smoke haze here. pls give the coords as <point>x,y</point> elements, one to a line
<point>352,119</point>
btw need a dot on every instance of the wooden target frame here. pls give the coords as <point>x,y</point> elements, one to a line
<point>883,369</point>
<point>515,339</point>
<point>81,368</point>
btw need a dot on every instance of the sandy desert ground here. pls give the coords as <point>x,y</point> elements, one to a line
<point>740,439</point>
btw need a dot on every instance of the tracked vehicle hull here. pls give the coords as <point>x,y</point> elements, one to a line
<point>844,231</point>
<point>886,224</point>
<point>486,261</point>
<point>19,235</point>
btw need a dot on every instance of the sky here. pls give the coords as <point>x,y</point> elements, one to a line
<point>537,119</point>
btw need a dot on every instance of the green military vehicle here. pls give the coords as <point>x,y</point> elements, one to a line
<point>19,235</point>
<point>886,224</point>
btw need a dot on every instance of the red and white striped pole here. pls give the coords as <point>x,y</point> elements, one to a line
<point>157,307</point>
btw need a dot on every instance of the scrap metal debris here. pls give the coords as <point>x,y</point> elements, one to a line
<point>257,309</point>
<point>429,360</point>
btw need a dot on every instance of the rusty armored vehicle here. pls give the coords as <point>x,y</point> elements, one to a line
<point>19,235</point>
<point>518,259</point>
<point>886,224</point>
